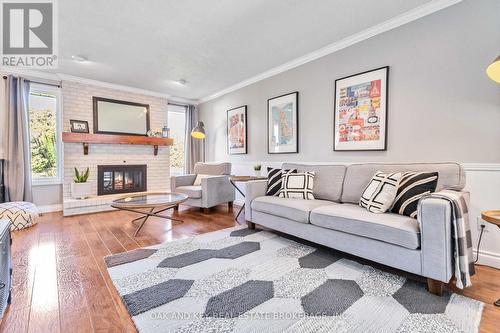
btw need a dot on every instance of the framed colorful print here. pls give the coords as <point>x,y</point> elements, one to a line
<point>283,124</point>
<point>237,130</point>
<point>360,111</point>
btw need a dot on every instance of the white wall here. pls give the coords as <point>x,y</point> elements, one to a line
<point>442,106</point>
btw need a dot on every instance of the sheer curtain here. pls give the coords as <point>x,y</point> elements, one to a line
<point>193,146</point>
<point>17,152</point>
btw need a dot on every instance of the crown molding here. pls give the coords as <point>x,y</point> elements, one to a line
<point>59,77</point>
<point>377,29</point>
<point>109,85</point>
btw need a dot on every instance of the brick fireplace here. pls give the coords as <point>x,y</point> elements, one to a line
<point>117,179</point>
<point>77,101</point>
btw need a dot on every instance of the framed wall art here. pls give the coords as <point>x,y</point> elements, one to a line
<point>360,111</point>
<point>237,130</point>
<point>79,126</point>
<point>283,124</point>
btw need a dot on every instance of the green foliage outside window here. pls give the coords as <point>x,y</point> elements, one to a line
<point>43,141</point>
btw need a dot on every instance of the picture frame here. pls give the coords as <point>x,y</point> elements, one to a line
<point>79,126</point>
<point>283,124</point>
<point>360,111</point>
<point>237,130</point>
<point>117,117</point>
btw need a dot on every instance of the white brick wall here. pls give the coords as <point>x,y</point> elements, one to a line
<point>77,104</point>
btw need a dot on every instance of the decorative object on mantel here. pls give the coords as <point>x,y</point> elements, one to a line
<point>80,188</point>
<point>154,133</point>
<point>237,130</point>
<point>79,126</point>
<point>360,111</point>
<point>256,169</point>
<point>283,124</point>
<point>113,116</point>
<point>493,217</point>
<point>199,133</point>
<point>165,133</point>
<point>87,139</point>
<point>493,70</point>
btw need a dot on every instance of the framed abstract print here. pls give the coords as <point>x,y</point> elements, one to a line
<point>283,124</point>
<point>237,130</point>
<point>360,111</point>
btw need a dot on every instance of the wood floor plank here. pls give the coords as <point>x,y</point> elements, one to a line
<point>44,313</point>
<point>74,276</point>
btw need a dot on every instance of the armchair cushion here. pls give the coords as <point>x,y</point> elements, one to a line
<point>192,191</point>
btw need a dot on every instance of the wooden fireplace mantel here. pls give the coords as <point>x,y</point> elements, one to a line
<point>89,138</point>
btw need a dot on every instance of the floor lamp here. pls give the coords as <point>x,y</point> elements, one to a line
<point>199,133</point>
<point>493,72</point>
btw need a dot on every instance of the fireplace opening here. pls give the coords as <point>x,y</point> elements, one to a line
<point>115,179</point>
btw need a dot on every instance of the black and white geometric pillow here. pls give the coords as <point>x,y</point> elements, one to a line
<point>297,185</point>
<point>412,187</point>
<point>380,193</point>
<point>274,180</point>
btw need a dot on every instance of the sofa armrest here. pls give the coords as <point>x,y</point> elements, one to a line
<point>253,189</point>
<point>434,216</point>
<point>216,190</point>
<point>185,180</point>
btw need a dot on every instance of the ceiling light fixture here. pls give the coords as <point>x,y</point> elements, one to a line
<point>181,82</point>
<point>79,58</point>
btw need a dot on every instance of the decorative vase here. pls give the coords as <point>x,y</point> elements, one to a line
<point>257,173</point>
<point>81,190</point>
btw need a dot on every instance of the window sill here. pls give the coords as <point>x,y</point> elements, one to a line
<point>46,182</point>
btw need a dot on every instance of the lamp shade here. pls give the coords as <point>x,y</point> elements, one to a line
<point>493,70</point>
<point>199,131</point>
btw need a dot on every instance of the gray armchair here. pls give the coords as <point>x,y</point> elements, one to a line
<point>213,191</point>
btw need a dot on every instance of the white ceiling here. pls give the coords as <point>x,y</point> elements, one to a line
<point>212,44</point>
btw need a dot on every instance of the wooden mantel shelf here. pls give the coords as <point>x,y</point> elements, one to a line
<point>88,138</point>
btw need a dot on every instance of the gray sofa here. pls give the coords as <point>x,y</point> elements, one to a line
<point>213,191</point>
<point>336,220</point>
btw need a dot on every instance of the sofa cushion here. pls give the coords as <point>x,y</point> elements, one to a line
<point>294,209</point>
<point>192,191</point>
<point>451,176</point>
<point>328,179</point>
<point>412,187</point>
<point>274,180</point>
<point>380,193</point>
<point>297,185</point>
<point>391,228</point>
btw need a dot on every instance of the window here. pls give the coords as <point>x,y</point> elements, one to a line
<point>177,125</point>
<point>45,134</point>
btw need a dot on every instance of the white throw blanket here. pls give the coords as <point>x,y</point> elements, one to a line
<point>461,235</point>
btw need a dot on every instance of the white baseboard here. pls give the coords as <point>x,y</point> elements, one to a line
<point>488,258</point>
<point>50,208</point>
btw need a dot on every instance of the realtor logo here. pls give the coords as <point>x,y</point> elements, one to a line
<point>28,34</point>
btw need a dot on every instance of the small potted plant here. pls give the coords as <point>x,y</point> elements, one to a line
<point>80,188</point>
<point>256,169</point>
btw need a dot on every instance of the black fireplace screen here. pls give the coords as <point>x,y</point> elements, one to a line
<point>113,179</point>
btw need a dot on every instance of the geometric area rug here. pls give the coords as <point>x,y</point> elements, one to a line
<point>241,280</point>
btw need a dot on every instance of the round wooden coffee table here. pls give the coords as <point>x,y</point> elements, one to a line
<point>493,217</point>
<point>149,204</point>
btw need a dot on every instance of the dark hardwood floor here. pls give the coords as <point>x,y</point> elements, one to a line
<point>61,283</point>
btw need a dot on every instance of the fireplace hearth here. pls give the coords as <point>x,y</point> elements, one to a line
<point>116,179</point>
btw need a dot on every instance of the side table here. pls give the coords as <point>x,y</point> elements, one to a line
<point>493,217</point>
<point>242,179</point>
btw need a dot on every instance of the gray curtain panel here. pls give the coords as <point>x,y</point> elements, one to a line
<point>193,147</point>
<point>17,169</point>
